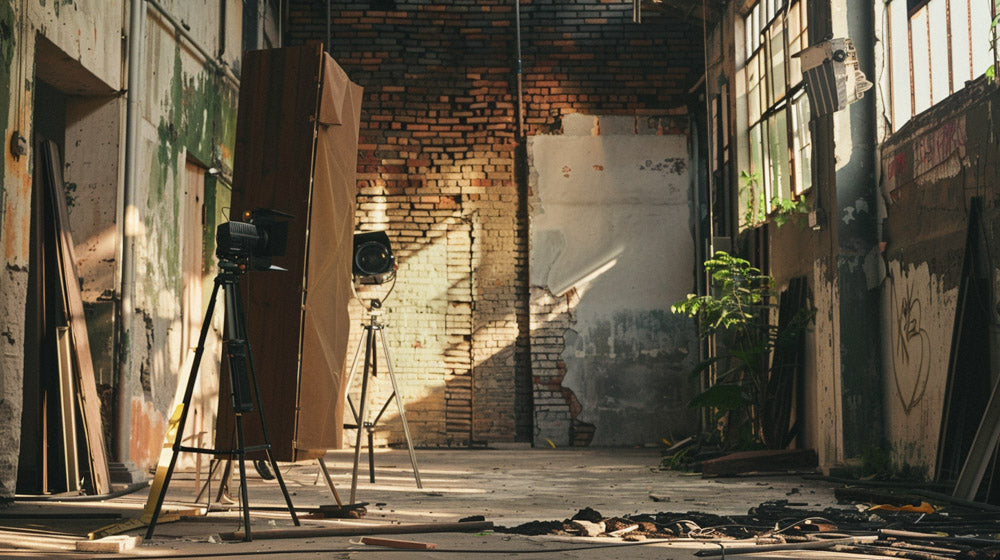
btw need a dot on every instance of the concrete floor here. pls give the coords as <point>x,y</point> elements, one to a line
<point>507,486</point>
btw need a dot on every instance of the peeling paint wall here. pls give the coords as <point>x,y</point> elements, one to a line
<point>932,169</point>
<point>14,223</point>
<point>87,37</point>
<point>77,47</point>
<point>610,251</point>
<point>188,113</point>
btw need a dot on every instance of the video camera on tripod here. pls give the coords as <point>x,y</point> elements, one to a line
<point>253,242</point>
<point>239,246</point>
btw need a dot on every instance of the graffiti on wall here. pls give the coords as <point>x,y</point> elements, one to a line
<point>922,154</point>
<point>911,348</point>
<point>932,149</point>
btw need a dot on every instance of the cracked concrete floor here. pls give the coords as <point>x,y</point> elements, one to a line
<point>507,486</point>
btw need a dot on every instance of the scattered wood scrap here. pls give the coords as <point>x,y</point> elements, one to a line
<point>767,460</point>
<point>384,529</point>
<point>396,543</point>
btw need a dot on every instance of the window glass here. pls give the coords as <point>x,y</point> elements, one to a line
<point>776,130</point>
<point>961,52</point>
<point>940,71</point>
<point>802,157</point>
<point>777,144</point>
<point>935,47</point>
<point>776,51</point>
<point>920,60</point>
<point>753,89</point>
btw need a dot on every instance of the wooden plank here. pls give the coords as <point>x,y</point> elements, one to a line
<point>89,402</point>
<point>758,461</point>
<point>387,529</point>
<point>984,444</point>
<point>110,545</point>
<point>67,408</point>
<point>397,543</point>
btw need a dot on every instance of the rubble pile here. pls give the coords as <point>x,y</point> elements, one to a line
<point>916,531</point>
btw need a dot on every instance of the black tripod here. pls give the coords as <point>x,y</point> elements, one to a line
<point>241,376</point>
<point>374,329</point>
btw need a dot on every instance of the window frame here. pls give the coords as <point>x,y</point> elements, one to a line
<point>773,92</point>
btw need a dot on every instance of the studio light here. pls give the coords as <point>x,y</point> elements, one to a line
<point>373,260</point>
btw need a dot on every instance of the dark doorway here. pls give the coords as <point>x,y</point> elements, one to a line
<point>42,464</point>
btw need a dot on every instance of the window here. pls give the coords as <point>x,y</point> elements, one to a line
<point>774,112</point>
<point>919,75</point>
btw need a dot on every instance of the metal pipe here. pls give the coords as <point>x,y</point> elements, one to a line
<point>520,88</point>
<point>221,67</point>
<point>130,224</point>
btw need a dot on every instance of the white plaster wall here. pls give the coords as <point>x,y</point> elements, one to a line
<point>919,318</point>
<point>610,220</point>
<point>823,428</point>
<point>89,31</point>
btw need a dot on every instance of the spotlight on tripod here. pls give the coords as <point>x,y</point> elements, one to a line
<point>373,259</point>
<point>239,246</point>
<point>374,264</point>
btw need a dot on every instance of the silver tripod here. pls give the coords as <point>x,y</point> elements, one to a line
<point>362,421</point>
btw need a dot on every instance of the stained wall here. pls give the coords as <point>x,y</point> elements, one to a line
<point>610,233</point>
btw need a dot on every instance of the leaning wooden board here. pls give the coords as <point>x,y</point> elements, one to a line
<point>90,404</point>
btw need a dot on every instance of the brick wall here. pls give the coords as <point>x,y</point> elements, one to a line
<point>440,168</point>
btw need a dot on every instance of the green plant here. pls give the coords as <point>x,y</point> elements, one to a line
<point>746,384</point>
<point>756,208</point>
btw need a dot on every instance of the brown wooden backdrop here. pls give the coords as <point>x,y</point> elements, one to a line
<point>296,152</point>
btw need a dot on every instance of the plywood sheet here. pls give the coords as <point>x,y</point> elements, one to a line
<point>89,402</point>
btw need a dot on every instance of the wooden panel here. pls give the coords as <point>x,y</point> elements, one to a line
<point>89,402</point>
<point>296,152</point>
<point>275,138</point>
<point>67,407</point>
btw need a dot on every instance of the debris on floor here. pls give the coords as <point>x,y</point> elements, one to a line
<point>900,530</point>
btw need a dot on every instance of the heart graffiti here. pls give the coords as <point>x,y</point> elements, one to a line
<point>910,350</point>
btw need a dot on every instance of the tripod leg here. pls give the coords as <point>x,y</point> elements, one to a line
<point>154,514</point>
<point>225,480</point>
<point>329,481</point>
<point>369,347</point>
<point>402,411</point>
<point>350,380</point>
<point>241,454</point>
<point>241,330</point>
<point>371,454</point>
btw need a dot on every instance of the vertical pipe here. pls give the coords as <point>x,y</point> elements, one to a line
<point>520,88</point>
<point>130,222</point>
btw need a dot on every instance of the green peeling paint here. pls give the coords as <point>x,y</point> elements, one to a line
<point>58,4</point>
<point>199,116</point>
<point>8,43</point>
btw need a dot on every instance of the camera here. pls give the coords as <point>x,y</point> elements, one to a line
<point>263,234</point>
